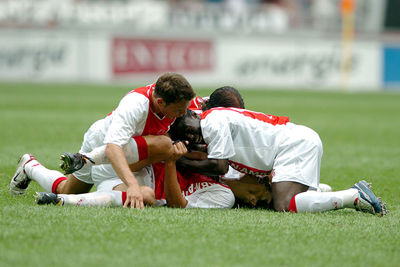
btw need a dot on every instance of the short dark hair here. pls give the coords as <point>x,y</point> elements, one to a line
<point>174,88</point>
<point>176,130</point>
<point>225,96</point>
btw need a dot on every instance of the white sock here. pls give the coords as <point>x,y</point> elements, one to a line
<point>98,155</point>
<point>312,201</point>
<point>45,177</point>
<point>95,199</point>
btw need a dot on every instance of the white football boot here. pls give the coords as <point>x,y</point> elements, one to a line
<point>20,180</point>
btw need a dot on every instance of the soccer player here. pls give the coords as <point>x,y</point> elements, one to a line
<point>260,145</point>
<point>171,188</point>
<point>225,96</point>
<point>144,111</point>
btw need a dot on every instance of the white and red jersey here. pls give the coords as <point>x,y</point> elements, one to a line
<point>189,182</point>
<point>197,103</point>
<point>134,117</point>
<point>249,140</point>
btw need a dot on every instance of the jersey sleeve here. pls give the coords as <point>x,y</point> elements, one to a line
<point>217,135</point>
<point>128,119</point>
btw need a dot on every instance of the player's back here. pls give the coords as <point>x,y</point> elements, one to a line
<point>243,136</point>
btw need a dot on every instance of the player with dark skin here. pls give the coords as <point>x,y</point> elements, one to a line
<point>189,126</point>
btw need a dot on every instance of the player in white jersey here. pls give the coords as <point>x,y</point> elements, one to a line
<point>199,190</point>
<point>191,191</point>
<point>259,144</point>
<point>145,111</point>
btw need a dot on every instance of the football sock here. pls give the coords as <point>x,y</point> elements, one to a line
<point>45,177</point>
<point>94,199</point>
<point>98,155</point>
<point>312,201</point>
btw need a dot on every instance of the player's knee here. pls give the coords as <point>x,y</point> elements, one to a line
<point>148,195</point>
<point>281,204</point>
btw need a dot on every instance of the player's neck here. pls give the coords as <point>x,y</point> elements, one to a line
<point>154,107</point>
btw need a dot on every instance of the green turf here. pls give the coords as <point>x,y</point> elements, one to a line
<point>361,137</point>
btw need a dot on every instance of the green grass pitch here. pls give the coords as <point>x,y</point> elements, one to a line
<point>361,137</point>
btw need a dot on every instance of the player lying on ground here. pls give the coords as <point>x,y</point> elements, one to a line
<point>150,149</point>
<point>260,144</point>
<point>224,96</point>
<point>144,111</point>
<point>184,190</point>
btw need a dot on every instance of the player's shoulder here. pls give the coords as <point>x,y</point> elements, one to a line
<point>145,91</point>
<point>140,95</point>
<point>218,112</point>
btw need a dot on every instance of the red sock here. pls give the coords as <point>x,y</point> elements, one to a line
<point>56,183</point>
<point>123,197</point>
<point>292,205</point>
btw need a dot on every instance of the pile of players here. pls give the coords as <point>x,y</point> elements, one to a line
<point>164,146</point>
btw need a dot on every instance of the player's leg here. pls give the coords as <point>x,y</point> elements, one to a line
<point>359,197</point>
<point>148,150</point>
<point>20,180</point>
<point>296,167</point>
<point>139,152</point>
<point>283,192</point>
<point>51,180</point>
<point>112,198</point>
<point>106,179</point>
<point>94,199</point>
<point>72,185</point>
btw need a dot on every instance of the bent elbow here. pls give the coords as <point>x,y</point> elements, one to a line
<point>221,166</point>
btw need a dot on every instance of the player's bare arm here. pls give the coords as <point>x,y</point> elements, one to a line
<point>211,167</point>
<point>173,193</point>
<point>117,158</point>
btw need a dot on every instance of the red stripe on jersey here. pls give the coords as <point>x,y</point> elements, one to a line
<point>196,103</point>
<point>142,147</point>
<point>146,91</point>
<point>248,170</point>
<point>271,119</point>
<point>188,182</point>
<point>154,125</point>
<point>56,183</point>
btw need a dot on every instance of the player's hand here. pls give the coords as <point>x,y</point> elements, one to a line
<point>179,149</point>
<point>134,198</point>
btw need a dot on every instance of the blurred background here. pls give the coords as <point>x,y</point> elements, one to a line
<point>350,45</point>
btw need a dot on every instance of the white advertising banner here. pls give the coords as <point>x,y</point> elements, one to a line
<point>34,57</point>
<point>242,62</point>
<point>57,56</point>
<point>297,64</point>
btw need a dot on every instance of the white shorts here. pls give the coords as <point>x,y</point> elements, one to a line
<point>211,197</point>
<point>94,138</point>
<point>105,178</point>
<point>301,161</point>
